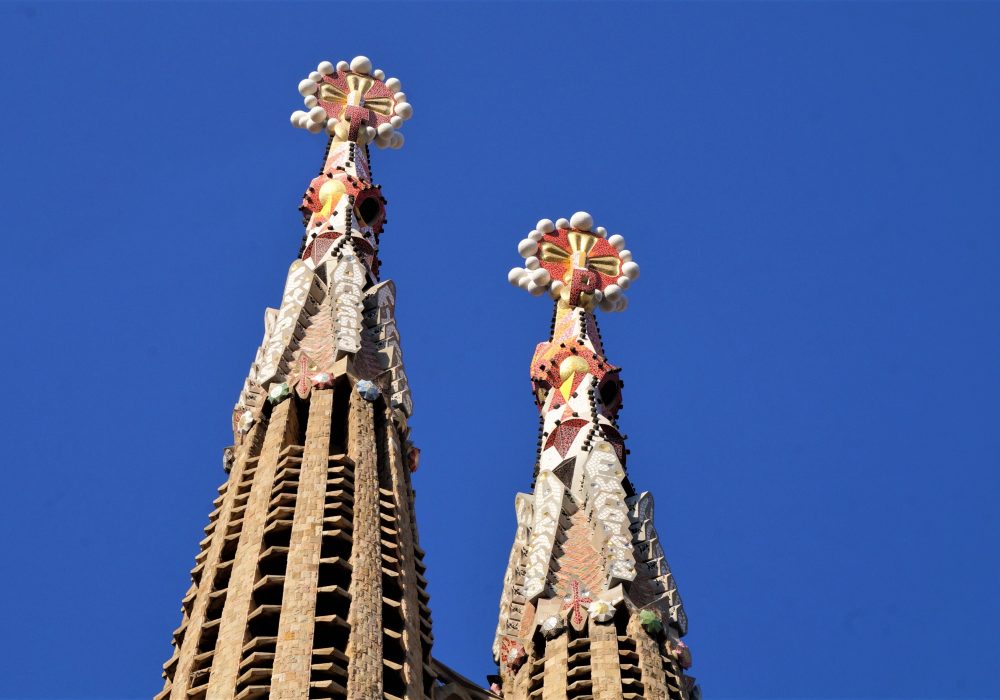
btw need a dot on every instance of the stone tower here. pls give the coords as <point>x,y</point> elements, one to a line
<point>589,608</point>
<point>310,582</point>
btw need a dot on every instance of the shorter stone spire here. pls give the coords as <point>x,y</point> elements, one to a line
<point>589,607</point>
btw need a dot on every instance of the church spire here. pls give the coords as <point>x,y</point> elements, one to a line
<point>589,606</point>
<point>310,581</point>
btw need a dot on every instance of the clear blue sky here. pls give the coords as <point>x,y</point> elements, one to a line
<point>811,354</point>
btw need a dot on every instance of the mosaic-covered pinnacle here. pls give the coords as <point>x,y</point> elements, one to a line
<point>577,263</point>
<point>353,102</point>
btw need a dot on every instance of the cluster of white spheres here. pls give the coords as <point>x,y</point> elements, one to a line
<point>536,280</point>
<point>315,119</point>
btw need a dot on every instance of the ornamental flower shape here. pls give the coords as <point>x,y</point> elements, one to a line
<point>512,653</point>
<point>552,626</point>
<point>245,422</point>
<point>278,392</point>
<point>368,390</point>
<point>681,653</point>
<point>650,622</point>
<point>601,611</point>
<point>575,262</point>
<point>354,102</point>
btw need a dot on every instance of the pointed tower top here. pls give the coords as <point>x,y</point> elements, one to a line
<point>577,263</point>
<point>353,102</point>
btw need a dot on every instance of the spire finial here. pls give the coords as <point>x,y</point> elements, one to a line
<point>577,263</point>
<point>354,102</point>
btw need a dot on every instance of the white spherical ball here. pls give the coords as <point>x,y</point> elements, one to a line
<point>393,84</point>
<point>607,305</point>
<point>612,291</point>
<point>396,122</point>
<point>343,65</point>
<point>545,226</point>
<point>331,126</point>
<point>617,241</point>
<point>535,235</point>
<point>361,64</point>
<point>399,96</point>
<point>404,110</point>
<point>378,74</point>
<point>515,275</point>
<point>624,282</point>
<point>630,270</point>
<point>314,127</point>
<point>541,276</point>
<point>601,231</point>
<point>527,247</point>
<point>397,140</point>
<point>557,286</point>
<point>307,87</point>
<point>297,117</point>
<point>562,223</point>
<point>598,295</point>
<point>326,68</point>
<point>536,290</point>
<point>582,221</point>
<point>524,280</point>
<point>385,130</point>
<point>625,255</point>
<point>531,263</point>
<point>316,76</point>
<point>317,114</point>
<point>310,101</point>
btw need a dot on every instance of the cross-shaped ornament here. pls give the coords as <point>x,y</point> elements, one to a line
<point>576,602</point>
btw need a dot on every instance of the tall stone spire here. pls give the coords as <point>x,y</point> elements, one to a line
<point>589,608</point>
<point>309,582</point>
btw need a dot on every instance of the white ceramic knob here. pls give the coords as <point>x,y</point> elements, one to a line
<point>404,110</point>
<point>545,226</point>
<point>527,247</point>
<point>361,64</point>
<point>582,221</point>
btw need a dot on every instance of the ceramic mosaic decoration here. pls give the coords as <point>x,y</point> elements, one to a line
<point>588,594</point>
